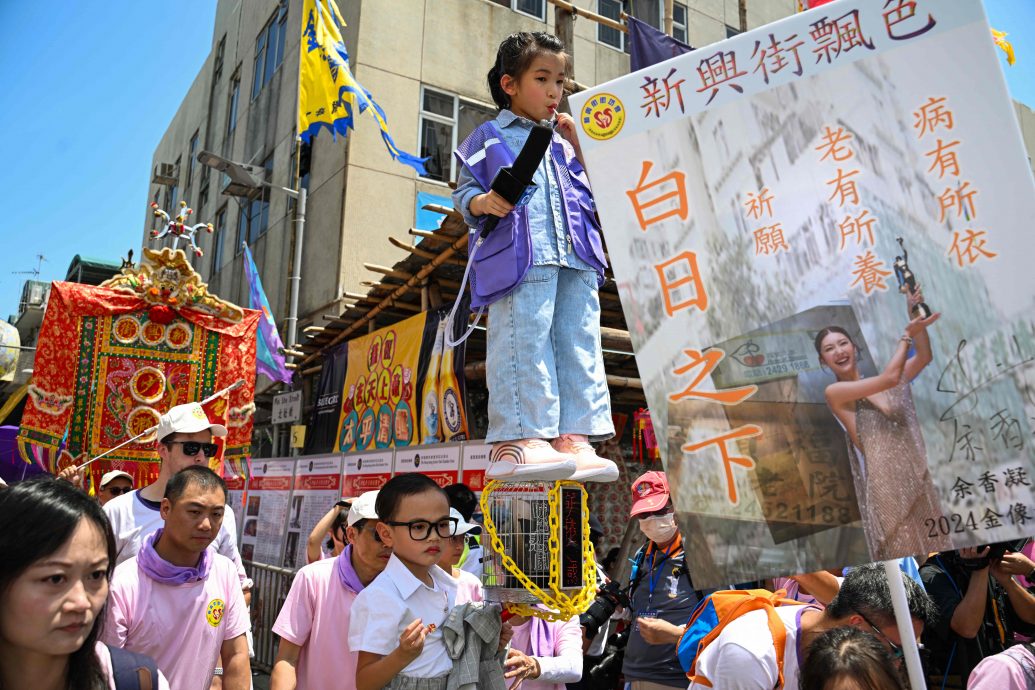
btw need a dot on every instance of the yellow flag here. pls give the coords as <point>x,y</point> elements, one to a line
<point>328,95</point>
<point>1000,40</point>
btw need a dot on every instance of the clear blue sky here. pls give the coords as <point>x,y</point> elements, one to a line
<point>89,88</point>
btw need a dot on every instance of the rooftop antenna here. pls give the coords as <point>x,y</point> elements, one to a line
<point>35,272</point>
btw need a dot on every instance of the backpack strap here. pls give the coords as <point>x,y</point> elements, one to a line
<point>132,671</point>
<point>779,633</point>
<point>751,600</point>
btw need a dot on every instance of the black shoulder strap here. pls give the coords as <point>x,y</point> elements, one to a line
<point>132,671</point>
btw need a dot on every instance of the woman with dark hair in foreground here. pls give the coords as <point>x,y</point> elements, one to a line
<point>58,554</point>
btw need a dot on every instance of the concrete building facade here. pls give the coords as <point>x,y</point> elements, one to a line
<point>425,63</point>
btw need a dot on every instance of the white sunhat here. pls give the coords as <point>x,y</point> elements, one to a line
<point>362,508</point>
<point>463,526</point>
<point>186,419</point>
<point>115,474</point>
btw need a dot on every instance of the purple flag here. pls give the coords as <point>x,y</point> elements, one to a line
<point>269,358</point>
<point>648,46</point>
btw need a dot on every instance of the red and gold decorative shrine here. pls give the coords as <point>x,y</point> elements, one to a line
<point>112,358</point>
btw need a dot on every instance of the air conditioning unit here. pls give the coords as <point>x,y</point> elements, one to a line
<point>165,174</point>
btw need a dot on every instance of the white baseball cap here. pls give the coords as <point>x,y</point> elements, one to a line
<point>115,474</point>
<point>463,526</point>
<point>186,419</point>
<point>362,508</point>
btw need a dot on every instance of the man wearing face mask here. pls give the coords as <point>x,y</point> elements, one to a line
<point>662,594</point>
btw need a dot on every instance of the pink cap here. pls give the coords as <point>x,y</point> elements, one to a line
<point>650,493</point>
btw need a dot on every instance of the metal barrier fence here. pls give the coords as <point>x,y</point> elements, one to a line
<point>268,594</point>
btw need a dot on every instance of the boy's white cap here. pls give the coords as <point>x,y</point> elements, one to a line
<point>362,508</point>
<point>463,526</point>
<point>115,474</point>
<point>186,419</point>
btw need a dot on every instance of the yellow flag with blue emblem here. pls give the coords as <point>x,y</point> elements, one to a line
<point>328,94</point>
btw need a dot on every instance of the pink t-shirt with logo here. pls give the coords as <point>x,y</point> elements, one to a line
<point>181,627</point>
<point>468,587</point>
<point>315,616</point>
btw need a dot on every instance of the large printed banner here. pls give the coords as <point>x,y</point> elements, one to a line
<point>441,462</point>
<point>777,207</point>
<point>317,489</point>
<point>236,489</point>
<point>378,405</point>
<point>366,472</point>
<point>402,387</point>
<point>266,510</point>
<point>475,462</point>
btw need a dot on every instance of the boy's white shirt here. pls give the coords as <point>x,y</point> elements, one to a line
<point>391,602</point>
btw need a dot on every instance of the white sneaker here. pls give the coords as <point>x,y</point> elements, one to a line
<point>590,466</point>
<point>529,460</point>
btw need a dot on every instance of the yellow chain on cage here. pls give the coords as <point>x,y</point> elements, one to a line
<point>559,606</point>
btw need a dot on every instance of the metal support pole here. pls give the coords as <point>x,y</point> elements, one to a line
<point>296,273</point>
<point>904,622</point>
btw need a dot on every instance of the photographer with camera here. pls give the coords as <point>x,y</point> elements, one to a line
<point>980,607</point>
<point>661,594</point>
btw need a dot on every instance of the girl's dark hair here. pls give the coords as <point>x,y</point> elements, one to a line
<point>391,495</point>
<point>849,652</point>
<point>514,57</point>
<point>39,516</point>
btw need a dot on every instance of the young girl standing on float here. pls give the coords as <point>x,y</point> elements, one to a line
<point>538,271</point>
<point>396,621</point>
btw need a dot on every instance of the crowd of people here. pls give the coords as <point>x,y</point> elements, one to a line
<point>151,588</point>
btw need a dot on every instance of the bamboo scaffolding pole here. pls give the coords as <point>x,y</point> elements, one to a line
<point>416,251</point>
<point>592,16</point>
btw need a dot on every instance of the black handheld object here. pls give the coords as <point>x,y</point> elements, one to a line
<point>510,183</point>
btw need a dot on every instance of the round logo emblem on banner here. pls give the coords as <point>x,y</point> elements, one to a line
<point>603,116</point>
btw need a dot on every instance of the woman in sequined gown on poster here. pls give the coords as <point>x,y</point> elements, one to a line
<point>889,461</point>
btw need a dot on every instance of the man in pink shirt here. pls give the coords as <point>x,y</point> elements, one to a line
<point>179,602</point>
<point>314,622</point>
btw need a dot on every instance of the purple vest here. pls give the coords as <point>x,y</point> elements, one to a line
<point>505,256</point>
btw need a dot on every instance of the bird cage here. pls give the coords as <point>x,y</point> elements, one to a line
<point>538,552</point>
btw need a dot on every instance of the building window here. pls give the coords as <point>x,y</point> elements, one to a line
<point>612,9</point>
<point>254,218</point>
<point>217,241</point>
<point>174,191</point>
<point>731,32</point>
<point>269,49</point>
<point>192,158</point>
<point>231,111</point>
<point>679,23</point>
<point>533,8</point>
<point>445,121</point>
<point>650,11</point>
<point>217,61</point>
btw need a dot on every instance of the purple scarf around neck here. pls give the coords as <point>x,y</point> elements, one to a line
<point>349,578</point>
<point>161,570</point>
